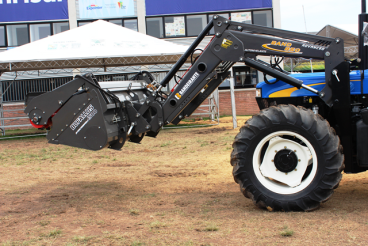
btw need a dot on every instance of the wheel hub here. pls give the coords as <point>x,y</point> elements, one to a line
<point>286,160</point>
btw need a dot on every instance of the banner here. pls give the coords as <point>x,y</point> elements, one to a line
<point>162,7</point>
<point>97,9</point>
<point>32,10</point>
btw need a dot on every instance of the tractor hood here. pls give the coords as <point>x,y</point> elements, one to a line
<point>315,80</point>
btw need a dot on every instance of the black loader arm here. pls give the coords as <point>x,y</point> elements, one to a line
<point>91,115</point>
<point>238,42</point>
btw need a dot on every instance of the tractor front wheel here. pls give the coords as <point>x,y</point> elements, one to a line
<point>287,158</point>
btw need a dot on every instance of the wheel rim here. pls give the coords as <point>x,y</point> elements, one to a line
<point>290,152</point>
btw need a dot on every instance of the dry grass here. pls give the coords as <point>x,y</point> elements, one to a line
<point>176,189</point>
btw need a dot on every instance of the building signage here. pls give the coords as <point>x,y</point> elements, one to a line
<point>31,10</point>
<point>96,9</point>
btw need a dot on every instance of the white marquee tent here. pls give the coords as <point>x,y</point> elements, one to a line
<point>98,44</point>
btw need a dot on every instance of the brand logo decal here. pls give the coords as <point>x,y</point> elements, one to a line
<point>311,46</point>
<point>187,85</point>
<point>93,6</point>
<point>88,114</point>
<point>288,47</point>
<point>226,43</point>
<point>121,6</point>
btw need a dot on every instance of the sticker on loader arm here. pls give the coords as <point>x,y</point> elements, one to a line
<point>187,85</point>
<point>226,43</point>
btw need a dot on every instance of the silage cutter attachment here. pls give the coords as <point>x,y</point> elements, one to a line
<point>89,115</point>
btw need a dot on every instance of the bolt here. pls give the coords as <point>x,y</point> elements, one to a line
<point>241,58</point>
<point>240,28</point>
<point>60,102</point>
<point>78,108</point>
<point>272,160</point>
<point>148,127</point>
<point>85,137</point>
<point>57,134</point>
<point>227,22</point>
<point>215,17</point>
<point>89,99</point>
<point>62,130</point>
<point>148,101</point>
<point>99,127</point>
<point>35,107</point>
<point>44,123</point>
<point>153,94</point>
<point>337,40</point>
<point>66,125</point>
<point>218,34</point>
<point>160,123</point>
<point>275,151</point>
<point>100,147</point>
<point>299,160</point>
<point>74,113</point>
<point>327,53</point>
<point>286,173</point>
<point>35,119</point>
<point>180,117</point>
<point>27,113</point>
<point>34,113</point>
<point>84,104</point>
<point>39,117</point>
<point>277,169</point>
<point>284,147</point>
<point>295,150</point>
<point>167,122</point>
<point>53,139</point>
<point>322,94</point>
<point>137,115</point>
<point>43,112</point>
<point>295,169</point>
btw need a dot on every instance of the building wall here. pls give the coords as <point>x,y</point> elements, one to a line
<point>245,102</point>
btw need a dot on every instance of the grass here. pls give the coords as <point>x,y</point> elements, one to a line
<point>165,144</point>
<point>82,239</point>
<point>211,227</point>
<point>286,232</point>
<point>157,224</point>
<point>134,211</point>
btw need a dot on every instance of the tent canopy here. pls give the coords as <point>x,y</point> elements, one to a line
<point>351,41</point>
<point>98,44</point>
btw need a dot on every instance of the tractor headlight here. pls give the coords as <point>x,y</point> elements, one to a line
<point>258,92</point>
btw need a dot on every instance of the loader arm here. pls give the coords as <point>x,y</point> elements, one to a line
<point>91,115</point>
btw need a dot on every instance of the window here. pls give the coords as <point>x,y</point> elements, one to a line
<point>242,17</point>
<point>39,31</point>
<point>2,36</point>
<point>195,24</point>
<point>174,26</point>
<point>262,18</point>
<point>131,24</point>
<point>60,27</point>
<point>244,77</point>
<point>155,27</point>
<point>210,17</point>
<point>117,22</point>
<point>17,35</point>
<point>84,23</point>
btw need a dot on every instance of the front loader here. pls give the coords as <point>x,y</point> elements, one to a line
<point>287,157</point>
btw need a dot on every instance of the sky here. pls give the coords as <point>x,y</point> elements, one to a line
<point>319,13</point>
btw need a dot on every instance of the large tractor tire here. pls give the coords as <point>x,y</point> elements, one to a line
<point>287,158</point>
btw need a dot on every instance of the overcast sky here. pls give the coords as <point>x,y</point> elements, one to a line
<point>319,13</point>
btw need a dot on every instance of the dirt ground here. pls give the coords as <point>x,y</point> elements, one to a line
<point>176,189</point>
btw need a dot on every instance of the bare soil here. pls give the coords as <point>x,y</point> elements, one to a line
<point>176,189</point>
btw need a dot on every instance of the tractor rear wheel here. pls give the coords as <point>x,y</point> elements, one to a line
<point>287,158</point>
